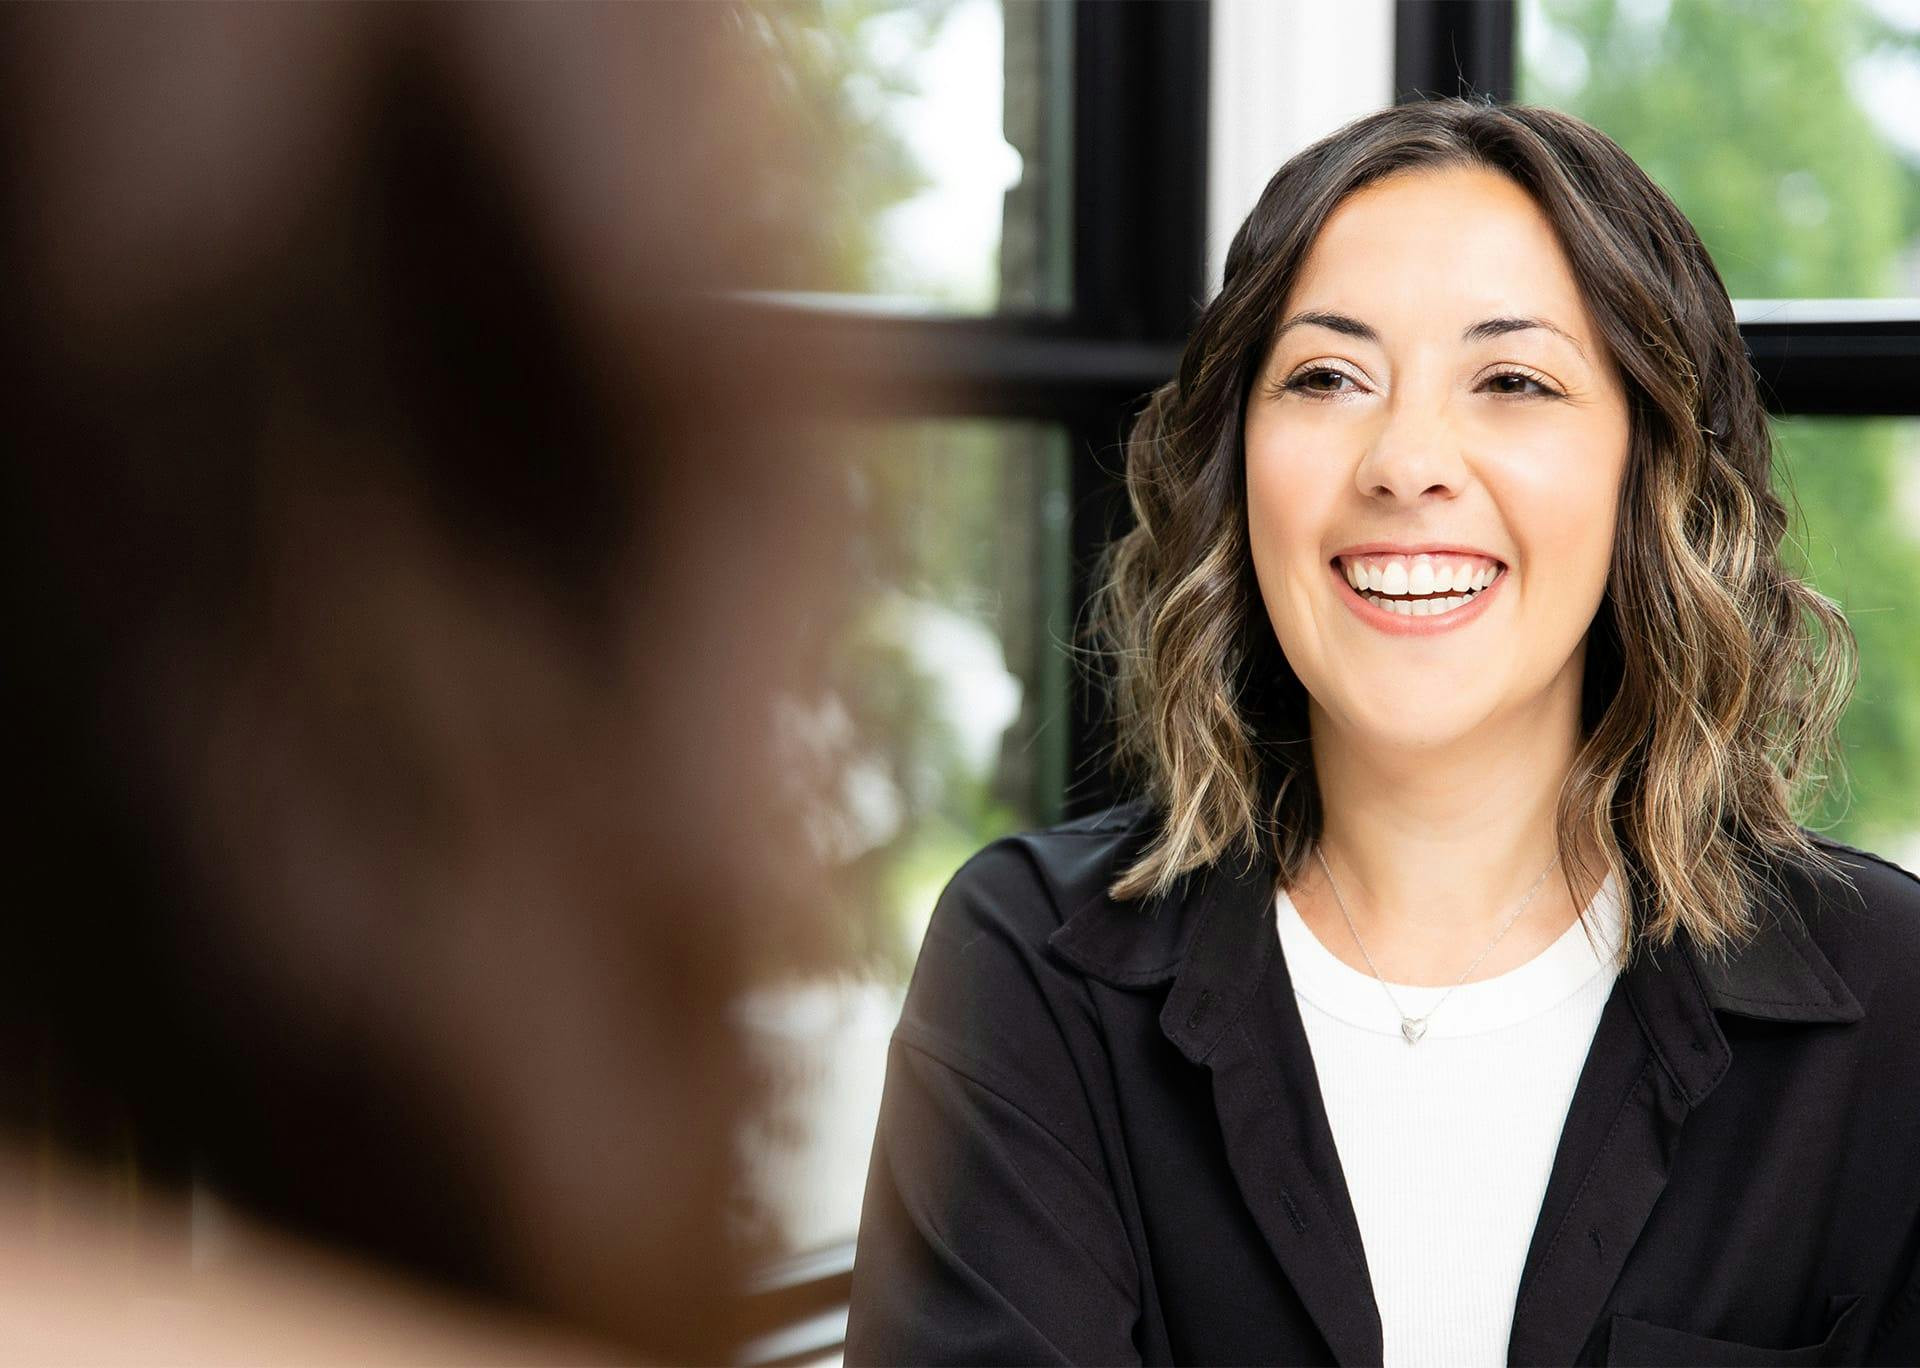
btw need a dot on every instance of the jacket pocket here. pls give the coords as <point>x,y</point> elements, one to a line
<point>1639,1342</point>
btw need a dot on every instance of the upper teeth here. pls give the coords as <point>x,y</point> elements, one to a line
<point>1421,574</point>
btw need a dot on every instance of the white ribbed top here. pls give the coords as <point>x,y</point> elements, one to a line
<point>1447,1144</point>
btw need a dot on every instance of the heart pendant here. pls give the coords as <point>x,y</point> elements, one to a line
<point>1413,1028</point>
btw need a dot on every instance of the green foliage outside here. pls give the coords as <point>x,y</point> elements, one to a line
<point>954,526</point>
<point>843,160</point>
<point>1745,113</point>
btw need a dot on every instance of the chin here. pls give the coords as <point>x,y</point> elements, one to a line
<point>1414,724</point>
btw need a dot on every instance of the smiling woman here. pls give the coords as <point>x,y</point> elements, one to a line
<point>1492,450</point>
<point>1456,564</point>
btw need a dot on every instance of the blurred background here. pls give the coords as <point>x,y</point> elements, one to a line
<point>929,258</point>
<point>1037,194</point>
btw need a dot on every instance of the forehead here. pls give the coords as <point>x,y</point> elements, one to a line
<point>1437,245</point>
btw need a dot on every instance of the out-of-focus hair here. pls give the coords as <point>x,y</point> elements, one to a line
<point>1714,678</point>
<point>400,561</point>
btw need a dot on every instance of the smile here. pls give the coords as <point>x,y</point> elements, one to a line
<point>1418,595</point>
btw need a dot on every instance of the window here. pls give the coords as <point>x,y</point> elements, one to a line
<point>1009,370</point>
<point>945,729</point>
<point>1785,132</point>
<point>941,160</point>
<point>1853,487</point>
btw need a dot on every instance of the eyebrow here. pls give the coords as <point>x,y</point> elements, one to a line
<point>1477,332</point>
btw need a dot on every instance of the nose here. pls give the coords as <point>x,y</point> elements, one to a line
<point>1415,453</point>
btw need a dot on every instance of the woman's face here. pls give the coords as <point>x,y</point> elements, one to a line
<point>1438,419</point>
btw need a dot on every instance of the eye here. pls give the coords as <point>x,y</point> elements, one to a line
<point>1541,389</point>
<point>1308,382</point>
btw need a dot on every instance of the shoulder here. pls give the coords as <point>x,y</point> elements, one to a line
<point>1872,886</point>
<point>1029,883</point>
<point>1866,919</point>
<point>1890,883</point>
<point>986,997</point>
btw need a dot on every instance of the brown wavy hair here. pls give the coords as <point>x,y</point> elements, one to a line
<point>1714,678</point>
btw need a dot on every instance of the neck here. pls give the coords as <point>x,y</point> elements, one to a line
<point>1439,845</point>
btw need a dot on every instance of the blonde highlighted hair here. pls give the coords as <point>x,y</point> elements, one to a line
<point>1714,678</point>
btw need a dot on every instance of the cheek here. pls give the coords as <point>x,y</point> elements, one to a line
<point>1563,515</point>
<point>1288,497</point>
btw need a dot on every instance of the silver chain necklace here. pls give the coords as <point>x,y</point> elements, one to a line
<point>1415,1027</point>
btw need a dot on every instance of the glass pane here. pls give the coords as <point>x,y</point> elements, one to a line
<point>937,135</point>
<point>1785,129</point>
<point>1857,483</point>
<point>945,728</point>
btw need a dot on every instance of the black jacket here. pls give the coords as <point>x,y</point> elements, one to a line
<point>1102,1139</point>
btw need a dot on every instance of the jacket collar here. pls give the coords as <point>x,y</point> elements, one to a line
<point>1213,922</point>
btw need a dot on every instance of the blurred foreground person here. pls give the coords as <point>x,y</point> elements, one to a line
<point>400,568</point>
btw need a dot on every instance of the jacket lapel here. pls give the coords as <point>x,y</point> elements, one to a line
<point>1657,1054</point>
<point>1231,1011</point>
